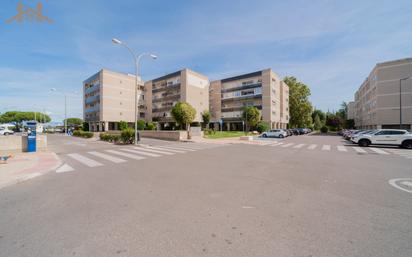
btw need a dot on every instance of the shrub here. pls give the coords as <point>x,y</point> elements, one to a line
<point>84,134</point>
<point>109,137</point>
<point>262,126</point>
<point>208,131</point>
<point>151,126</point>
<point>324,129</point>
<point>141,124</point>
<point>123,125</point>
<point>127,136</point>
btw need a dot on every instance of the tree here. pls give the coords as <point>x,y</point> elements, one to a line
<point>19,117</point>
<point>206,117</point>
<point>74,122</point>
<point>262,126</point>
<point>251,116</point>
<point>184,114</point>
<point>322,115</point>
<point>123,125</point>
<point>318,123</point>
<point>141,124</point>
<point>151,126</point>
<point>335,122</point>
<point>300,108</point>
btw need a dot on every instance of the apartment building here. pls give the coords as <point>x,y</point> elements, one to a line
<point>351,111</point>
<point>109,97</point>
<point>164,92</point>
<point>262,89</point>
<point>384,96</point>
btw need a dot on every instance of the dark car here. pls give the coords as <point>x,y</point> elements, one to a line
<point>295,132</point>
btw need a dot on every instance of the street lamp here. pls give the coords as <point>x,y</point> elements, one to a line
<point>65,105</point>
<point>137,95</point>
<point>400,101</point>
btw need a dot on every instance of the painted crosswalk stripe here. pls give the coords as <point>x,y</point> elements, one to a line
<point>359,150</point>
<point>140,152</point>
<point>378,151</point>
<point>107,157</point>
<point>86,161</point>
<point>341,148</point>
<point>312,146</point>
<point>178,148</point>
<point>128,155</point>
<point>165,149</point>
<point>64,168</point>
<point>277,144</point>
<point>299,146</point>
<point>152,151</point>
<point>287,145</point>
<point>326,148</point>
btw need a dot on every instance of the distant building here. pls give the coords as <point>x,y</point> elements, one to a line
<point>109,97</point>
<point>262,89</point>
<point>164,92</point>
<point>377,101</point>
<point>351,111</point>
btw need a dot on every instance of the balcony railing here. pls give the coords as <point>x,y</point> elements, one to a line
<point>166,98</point>
<point>92,99</point>
<point>238,108</point>
<point>163,109</point>
<point>167,87</point>
<point>92,109</point>
<point>91,89</point>
<point>242,97</point>
<point>241,87</point>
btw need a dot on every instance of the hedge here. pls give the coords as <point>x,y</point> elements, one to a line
<point>84,134</point>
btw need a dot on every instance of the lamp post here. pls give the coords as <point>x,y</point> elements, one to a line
<point>136,59</point>
<point>400,101</point>
<point>65,106</point>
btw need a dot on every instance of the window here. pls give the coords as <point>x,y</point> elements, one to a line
<point>397,132</point>
<point>385,132</point>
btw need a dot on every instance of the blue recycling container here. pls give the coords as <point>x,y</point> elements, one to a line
<point>31,142</point>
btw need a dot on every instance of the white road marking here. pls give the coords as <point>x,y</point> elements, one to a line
<point>341,148</point>
<point>153,151</point>
<point>165,149</point>
<point>107,157</point>
<point>140,152</point>
<point>128,155</point>
<point>277,144</point>
<point>359,150</point>
<point>86,161</point>
<point>326,148</point>
<point>312,146</point>
<point>64,168</point>
<point>378,151</point>
<point>287,145</point>
<point>299,146</point>
<point>393,182</point>
<point>178,148</point>
<point>407,183</point>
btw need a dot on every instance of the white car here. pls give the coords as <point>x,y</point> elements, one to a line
<point>4,131</point>
<point>397,137</point>
<point>275,133</point>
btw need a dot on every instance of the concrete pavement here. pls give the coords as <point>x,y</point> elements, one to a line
<point>232,200</point>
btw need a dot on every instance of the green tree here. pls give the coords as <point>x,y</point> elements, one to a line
<point>251,116</point>
<point>151,126</point>
<point>300,108</point>
<point>74,121</point>
<point>322,115</point>
<point>262,126</point>
<point>317,123</point>
<point>206,118</point>
<point>184,114</point>
<point>123,125</point>
<point>334,121</point>
<point>141,124</point>
<point>19,117</point>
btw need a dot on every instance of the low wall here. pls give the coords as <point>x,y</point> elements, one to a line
<point>165,135</point>
<point>18,144</point>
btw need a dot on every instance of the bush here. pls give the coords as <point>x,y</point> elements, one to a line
<point>123,125</point>
<point>324,129</point>
<point>262,126</point>
<point>109,137</point>
<point>127,136</point>
<point>208,131</point>
<point>84,134</point>
<point>141,124</point>
<point>151,126</point>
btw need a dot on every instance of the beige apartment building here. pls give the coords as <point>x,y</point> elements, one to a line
<point>351,111</point>
<point>164,92</point>
<point>384,95</point>
<point>109,97</point>
<point>263,89</point>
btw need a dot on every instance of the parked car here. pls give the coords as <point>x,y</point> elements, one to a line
<point>275,133</point>
<point>289,132</point>
<point>296,132</point>
<point>396,137</point>
<point>5,131</point>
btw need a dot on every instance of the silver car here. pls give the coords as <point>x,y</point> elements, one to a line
<point>280,133</point>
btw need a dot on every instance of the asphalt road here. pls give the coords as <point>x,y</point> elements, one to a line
<point>227,200</point>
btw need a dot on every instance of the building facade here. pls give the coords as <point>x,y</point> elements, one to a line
<point>351,111</point>
<point>108,98</point>
<point>164,92</point>
<point>263,90</point>
<point>384,96</point>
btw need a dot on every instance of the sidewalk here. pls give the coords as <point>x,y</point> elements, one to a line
<point>25,166</point>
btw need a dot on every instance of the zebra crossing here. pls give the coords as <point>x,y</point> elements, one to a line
<point>345,149</point>
<point>120,155</point>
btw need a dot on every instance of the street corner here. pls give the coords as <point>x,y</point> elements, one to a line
<point>25,166</point>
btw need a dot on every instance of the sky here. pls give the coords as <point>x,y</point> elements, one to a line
<point>331,46</point>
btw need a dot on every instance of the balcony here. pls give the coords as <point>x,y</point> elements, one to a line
<point>242,97</point>
<point>166,87</point>
<point>241,87</point>
<point>175,97</point>
<point>92,109</point>
<point>163,109</point>
<point>92,99</point>
<point>238,108</point>
<point>92,89</point>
